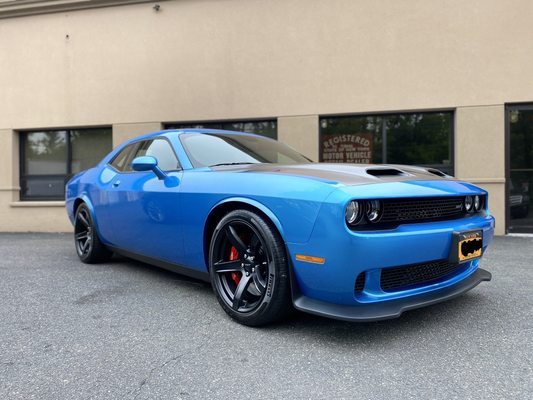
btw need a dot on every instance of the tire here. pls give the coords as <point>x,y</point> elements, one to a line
<point>89,248</point>
<point>249,269</point>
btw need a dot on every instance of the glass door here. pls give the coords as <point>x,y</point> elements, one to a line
<point>520,169</point>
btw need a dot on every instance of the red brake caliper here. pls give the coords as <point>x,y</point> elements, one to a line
<point>234,255</point>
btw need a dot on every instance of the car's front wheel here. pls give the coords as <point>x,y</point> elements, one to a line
<point>88,245</point>
<point>249,269</point>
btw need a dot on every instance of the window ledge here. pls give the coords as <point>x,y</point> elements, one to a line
<point>18,8</point>
<point>37,204</point>
<point>483,180</point>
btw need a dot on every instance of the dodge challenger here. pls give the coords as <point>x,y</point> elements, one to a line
<point>272,231</point>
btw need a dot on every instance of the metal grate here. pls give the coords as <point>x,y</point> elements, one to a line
<point>360,282</point>
<point>396,278</point>
<point>423,209</point>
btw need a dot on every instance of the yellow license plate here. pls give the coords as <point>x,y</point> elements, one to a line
<point>470,245</point>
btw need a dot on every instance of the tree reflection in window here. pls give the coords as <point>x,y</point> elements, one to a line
<point>50,158</point>
<point>407,138</point>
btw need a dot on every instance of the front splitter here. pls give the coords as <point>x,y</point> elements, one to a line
<point>390,308</point>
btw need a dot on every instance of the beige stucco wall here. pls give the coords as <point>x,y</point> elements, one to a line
<point>9,186</point>
<point>33,217</point>
<point>480,155</point>
<point>292,59</point>
<point>300,132</point>
<point>481,138</point>
<point>213,59</point>
<point>8,159</point>
<point>123,132</point>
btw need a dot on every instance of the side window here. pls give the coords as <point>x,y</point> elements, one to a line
<point>162,151</point>
<point>122,161</point>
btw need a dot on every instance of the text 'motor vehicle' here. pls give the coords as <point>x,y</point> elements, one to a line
<point>270,229</point>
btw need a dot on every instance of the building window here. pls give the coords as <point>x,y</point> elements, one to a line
<point>50,158</point>
<point>424,139</point>
<point>520,168</point>
<point>268,128</point>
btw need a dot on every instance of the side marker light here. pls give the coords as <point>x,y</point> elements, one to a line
<point>311,259</point>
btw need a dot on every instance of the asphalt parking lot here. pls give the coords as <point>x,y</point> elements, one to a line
<point>126,330</point>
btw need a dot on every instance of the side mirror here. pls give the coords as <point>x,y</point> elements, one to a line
<point>148,163</point>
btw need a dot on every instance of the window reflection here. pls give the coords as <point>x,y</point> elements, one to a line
<point>268,128</point>
<point>46,153</point>
<point>89,146</point>
<point>408,138</point>
<point>220,149</point>
<point>50,158</point>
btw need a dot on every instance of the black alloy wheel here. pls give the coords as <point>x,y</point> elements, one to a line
<point>249,270</point>
<point>88,245</point>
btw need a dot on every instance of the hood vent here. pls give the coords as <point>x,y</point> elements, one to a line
<point>436,172</point>
<point>384,172</point>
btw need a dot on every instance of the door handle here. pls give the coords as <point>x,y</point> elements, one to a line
<point>116,183</point>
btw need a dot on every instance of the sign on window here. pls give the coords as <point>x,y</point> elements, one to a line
<point>345,148</point>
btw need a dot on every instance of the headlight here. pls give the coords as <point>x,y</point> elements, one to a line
<point>477,203</point>
<point>353,212</point>
<point>373,210</point>
<point>469,204</point>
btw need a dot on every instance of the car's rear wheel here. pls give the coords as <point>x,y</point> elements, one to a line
<point>88,245</point>
<point>249,269</point>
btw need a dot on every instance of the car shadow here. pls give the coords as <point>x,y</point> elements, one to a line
<point>433,319</point>
<point>140,267</point>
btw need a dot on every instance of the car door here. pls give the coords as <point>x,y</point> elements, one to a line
<point>107,194</point>
<point>144,210</point>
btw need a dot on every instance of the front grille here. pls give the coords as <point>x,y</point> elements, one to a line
<point>423,209</point>
<point>396,278</point>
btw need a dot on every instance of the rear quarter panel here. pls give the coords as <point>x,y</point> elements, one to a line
<point>87,186</point>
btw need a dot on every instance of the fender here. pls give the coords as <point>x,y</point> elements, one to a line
<point>86,199</point>
<point>83,197</point>
<point>295,289</point>
<point>257,205</point>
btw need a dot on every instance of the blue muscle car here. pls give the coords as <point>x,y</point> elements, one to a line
<point>273,231</point>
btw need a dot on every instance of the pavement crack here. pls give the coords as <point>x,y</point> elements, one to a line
<point>159,367</point>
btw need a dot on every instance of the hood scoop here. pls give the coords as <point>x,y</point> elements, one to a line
<point>436,172</point>
<point>380,172</point>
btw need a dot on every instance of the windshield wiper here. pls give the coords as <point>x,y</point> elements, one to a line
<point>231,163</point>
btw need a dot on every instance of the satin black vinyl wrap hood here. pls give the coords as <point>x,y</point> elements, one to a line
<point>345,174</point>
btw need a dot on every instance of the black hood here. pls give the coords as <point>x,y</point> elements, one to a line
<point>347,174</point>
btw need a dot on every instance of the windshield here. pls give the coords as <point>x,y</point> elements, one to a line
<point>212,149</point>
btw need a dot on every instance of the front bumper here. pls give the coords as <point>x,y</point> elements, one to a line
<point>391,308</point>
<point>347,254</point>
<point>330,288</point>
